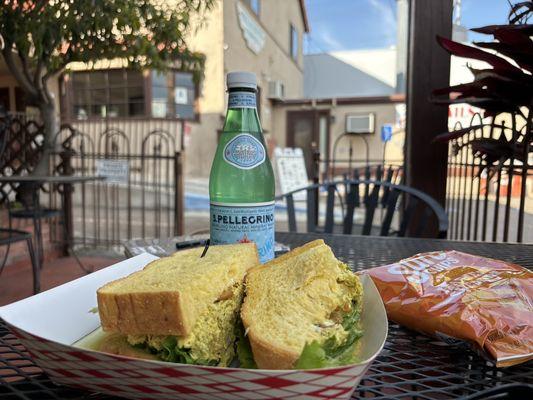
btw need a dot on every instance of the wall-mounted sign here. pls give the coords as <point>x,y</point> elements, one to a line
<point>291,171</point>
<point>386,133</point>
<point>115,171</point>
<point>180,95</point>
<point>254,35</point>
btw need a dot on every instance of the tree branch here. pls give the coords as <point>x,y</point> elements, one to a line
<point>25,66</point>
<point>21,78</point>
<point>38,74</point>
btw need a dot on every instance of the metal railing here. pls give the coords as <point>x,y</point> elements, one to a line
<point>487,204</point>
<point>481,206</point>
<point>148,203</point>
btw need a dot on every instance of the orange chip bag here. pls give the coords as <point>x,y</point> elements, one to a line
<point>461,297</point>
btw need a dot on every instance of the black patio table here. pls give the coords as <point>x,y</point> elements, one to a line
<point>411,366</point>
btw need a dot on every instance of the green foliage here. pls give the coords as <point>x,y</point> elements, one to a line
<point>47,35</point>
<point>171,352</point>
<point>244,350</point>
<point>331,352</point>
<point>504,87</point>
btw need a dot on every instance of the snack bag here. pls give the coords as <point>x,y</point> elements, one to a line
<point>461,297</point>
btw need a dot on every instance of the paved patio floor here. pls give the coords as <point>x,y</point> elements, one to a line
<point>16,279</point>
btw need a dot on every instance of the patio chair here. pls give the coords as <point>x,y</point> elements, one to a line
<point>28,210</point>
<point>9,236</point>
<point>402,209</point>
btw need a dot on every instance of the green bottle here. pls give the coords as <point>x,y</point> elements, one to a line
<point>241,185</point>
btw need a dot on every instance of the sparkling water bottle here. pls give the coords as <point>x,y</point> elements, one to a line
<point>241,185</point>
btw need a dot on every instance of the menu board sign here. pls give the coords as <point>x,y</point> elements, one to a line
<point>291,172</point>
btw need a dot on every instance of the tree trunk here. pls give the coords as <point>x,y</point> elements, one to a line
<point>48,114</point>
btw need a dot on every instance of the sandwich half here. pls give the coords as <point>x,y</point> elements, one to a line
<point>302,311</point>
<point>181,308</point>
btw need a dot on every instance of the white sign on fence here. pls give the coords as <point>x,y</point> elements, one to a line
<point>115,171</point>
<point>291,170</point>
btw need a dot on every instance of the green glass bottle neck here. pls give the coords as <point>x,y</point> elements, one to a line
<point>240,118</point>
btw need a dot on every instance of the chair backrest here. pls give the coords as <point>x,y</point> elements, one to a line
<point>401,209</point>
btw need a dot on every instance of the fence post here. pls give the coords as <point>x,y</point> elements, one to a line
<point>316,166</point>
<point>178,194</point>
<point>66,169</point>
<point>316,180</point>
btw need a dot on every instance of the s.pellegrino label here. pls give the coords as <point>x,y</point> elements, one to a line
<point>244,223</point>
<point>244,151</point>
<point>241,184</point>
<point>242,100</point>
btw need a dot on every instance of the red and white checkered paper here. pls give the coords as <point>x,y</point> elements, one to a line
<point>140,379</point>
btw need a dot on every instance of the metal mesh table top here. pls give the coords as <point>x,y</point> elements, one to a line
<point>411,366</point>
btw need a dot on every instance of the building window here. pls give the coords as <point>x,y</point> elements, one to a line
<point>173,95</point>
<point>21,100</point>
<point>255,5</point>
<point>293,42</point>
<point>121,93</point>
<point>110,93</point>
<point>5,103</point>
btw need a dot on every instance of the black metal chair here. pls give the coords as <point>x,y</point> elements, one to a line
<point>9,236</point>
<point>408,208</point>
<point>28,209</point>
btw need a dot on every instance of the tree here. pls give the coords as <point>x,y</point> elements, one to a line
<point>41,37</point>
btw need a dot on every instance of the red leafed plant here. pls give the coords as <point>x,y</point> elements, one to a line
<point>505,87</point>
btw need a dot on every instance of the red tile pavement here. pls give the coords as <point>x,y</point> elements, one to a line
<point>16,279</point>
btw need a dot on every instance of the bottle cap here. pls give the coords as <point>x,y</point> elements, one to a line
<point>241,79</point>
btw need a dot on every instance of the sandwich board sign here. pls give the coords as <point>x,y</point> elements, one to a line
<point>115,171</point>
<point>291,171</point>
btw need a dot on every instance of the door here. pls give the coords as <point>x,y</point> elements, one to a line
<point>5,104</point>
<point>309,130</point>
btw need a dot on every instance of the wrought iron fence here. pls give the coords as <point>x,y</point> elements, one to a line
<point>488,204</point>
<point>147,202</point>
<point>21,139</point>
<point>355,168</point>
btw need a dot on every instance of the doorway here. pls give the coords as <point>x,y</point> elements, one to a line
<point>5,104</point>
<point>309,130</point>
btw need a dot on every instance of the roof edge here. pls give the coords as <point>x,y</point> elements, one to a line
<point>392,99</point>
<point>303,9</point>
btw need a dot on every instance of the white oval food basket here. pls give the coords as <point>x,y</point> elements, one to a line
<point>49,323</point>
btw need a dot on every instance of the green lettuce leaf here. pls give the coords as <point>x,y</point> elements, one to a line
<point>244,350</point>
<point>330,353</point>
<point>171,352</point>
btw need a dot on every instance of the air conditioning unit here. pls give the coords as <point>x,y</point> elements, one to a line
<point>276,90</point>
<point>360,123</point>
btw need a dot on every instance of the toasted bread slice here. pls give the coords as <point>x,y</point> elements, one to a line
<point>169,295</point>
<point>294,300</point>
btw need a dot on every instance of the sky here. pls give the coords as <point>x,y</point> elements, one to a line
<point>365,24</point>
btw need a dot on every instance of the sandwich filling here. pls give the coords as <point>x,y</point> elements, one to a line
<point>338,342</point>
<point>181,308</point>
<point>210,342</point>
<point>306,307</point>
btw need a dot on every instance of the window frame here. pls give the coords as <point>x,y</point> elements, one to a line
<point>67,102</point>
<point>294,46</point>
<point>257,12</point>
